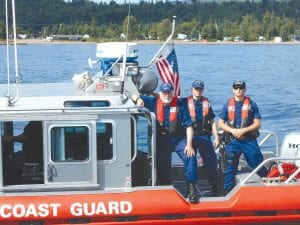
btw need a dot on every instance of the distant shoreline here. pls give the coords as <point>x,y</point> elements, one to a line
<point>40,41</point>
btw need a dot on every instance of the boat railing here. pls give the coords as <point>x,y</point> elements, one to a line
<point>267,136</point>
<point>163,46</point>
<point>78,110</point>
<point>153,143</point>
<point>293,176</point>
<point>267,162</point>
<point>268,142</point>
<point>135,135</point>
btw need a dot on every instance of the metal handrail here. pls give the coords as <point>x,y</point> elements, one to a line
<point>135,134</point>
<point>269,135</point>
<point>164,45</point>
<point>153,147</point>
<point>291,177</point>
<point>265,162</point>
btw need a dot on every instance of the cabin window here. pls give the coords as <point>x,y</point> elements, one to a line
<point>69,143</point>
<point>143,135</point>
<point>141,157</point>
<point>87,104</point>
<point>104,141</point>
<point>22,152</point>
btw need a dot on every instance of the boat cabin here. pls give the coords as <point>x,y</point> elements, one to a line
<point>86,134</point>
<point>59,138</point>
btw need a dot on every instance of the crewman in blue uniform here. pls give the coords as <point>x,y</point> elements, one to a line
<point>241,120</point>
<point>204,126</point>
<point>174,133</point>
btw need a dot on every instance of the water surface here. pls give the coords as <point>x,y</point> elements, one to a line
<point>270,71</point>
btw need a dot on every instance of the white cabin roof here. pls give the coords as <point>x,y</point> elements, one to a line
<point>36,96</point>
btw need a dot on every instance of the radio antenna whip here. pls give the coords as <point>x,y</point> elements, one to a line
<point>123,74</point>
<point>7,51</point>
<point>15,45</point>
<point>10,99</point>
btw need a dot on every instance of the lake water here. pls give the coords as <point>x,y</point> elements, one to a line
<point>270,71</point>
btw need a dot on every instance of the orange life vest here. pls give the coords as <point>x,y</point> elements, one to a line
<point>245,111</point>
<point>191,106</point>
<point>205,128</point>
<point>160,109</point>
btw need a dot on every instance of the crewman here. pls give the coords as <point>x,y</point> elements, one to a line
<point>204,126</point>
<point>241,120</point>
<point>174,133</point>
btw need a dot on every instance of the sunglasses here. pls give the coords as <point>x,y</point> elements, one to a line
<point>241,87</point>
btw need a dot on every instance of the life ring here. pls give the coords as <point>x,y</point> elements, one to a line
<point>282,171</point>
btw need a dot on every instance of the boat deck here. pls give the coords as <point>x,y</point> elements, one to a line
<point>202,186</point>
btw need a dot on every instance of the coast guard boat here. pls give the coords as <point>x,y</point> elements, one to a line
<point>88,157</point>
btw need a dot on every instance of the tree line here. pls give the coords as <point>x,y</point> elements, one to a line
<point>152,20</point>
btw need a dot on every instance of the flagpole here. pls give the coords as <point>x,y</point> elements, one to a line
<point>164,45</point>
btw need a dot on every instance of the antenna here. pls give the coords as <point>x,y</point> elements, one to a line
<point>125,58</point>
<point>125,54</point>
<point>7,51</point>
<point>10,99</point>
<point>15,45</point>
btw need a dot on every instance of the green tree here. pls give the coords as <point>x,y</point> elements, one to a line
<point>192,28</point>
<point>224,29</point>
<point>152,33</point>
<point>2,30</point>
<point>235,30</point>
<point>233,18</point>
<point>112,31</point>
<point>130,23</point>
<point>195,24</point>
<point>287,29</point>
<point>250,28</point>
<point>270,25</point>
<point>62,29</point>
<point>164,29</point>
<point>209,31</point>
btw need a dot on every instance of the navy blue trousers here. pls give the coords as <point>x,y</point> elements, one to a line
<point>204,145</point>
<point>166,144</point>
<point>253,157</point>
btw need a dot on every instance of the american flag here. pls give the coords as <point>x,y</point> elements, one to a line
<point>168,70</point>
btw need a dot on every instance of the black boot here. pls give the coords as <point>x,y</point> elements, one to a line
<point>192,194</point>
<point>215,190</point>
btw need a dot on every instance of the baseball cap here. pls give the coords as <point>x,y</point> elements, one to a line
<point>198,84</point>
<point>166,87</point>
<point>239,83</point>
